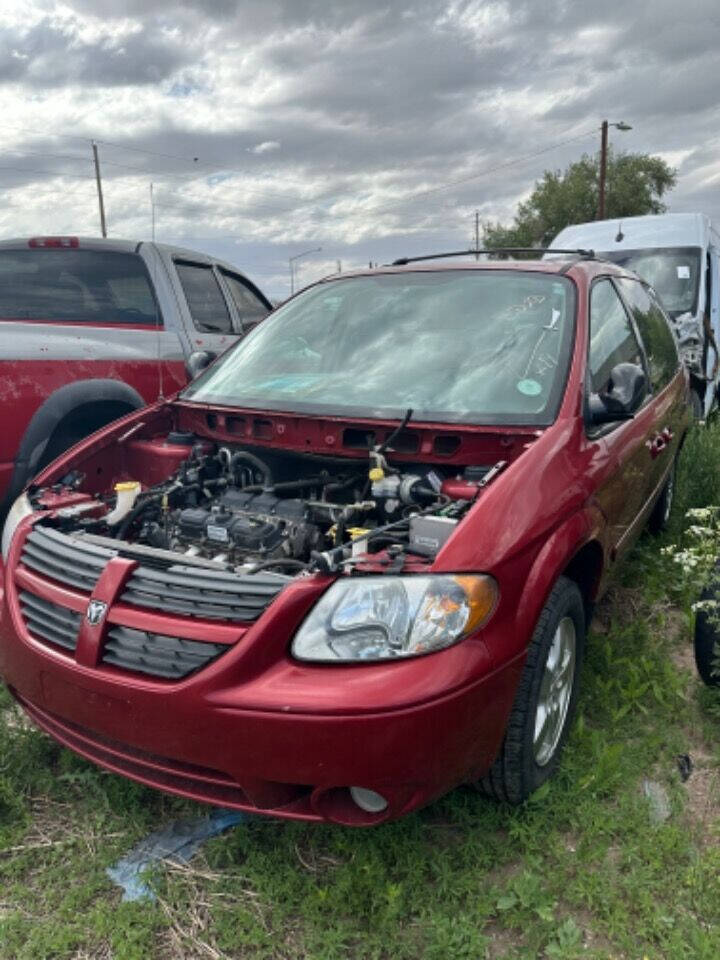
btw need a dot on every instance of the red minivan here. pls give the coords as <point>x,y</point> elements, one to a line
<point>351,565</point>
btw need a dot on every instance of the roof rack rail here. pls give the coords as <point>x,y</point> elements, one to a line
<point>581,254</point>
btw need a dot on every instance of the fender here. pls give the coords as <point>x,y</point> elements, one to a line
<point>53,410</point>
<point>554,558</point>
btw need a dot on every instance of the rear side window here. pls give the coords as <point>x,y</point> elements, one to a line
<point>655,332</point>
<point>612,339</point>
<point>204,297</point>
<point>75,287</point>
<point>250,307</point>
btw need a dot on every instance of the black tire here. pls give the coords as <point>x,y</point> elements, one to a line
<point>696,405</point>
<point>524,762</point>
<point>707,640</point>
<point>660,516</point>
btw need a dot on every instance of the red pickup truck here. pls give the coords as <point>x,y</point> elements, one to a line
<point>92,329</point>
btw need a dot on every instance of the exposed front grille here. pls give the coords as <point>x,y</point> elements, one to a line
<point>156,654</point>
<point>59,557</point>
<point>48,622</point>
<point>195,592</point>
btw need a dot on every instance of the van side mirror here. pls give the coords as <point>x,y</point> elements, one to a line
<point>197,361</point>
<point>625,390</point>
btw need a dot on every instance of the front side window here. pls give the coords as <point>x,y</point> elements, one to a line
<point>76,286</point>
<point>204,297</point>
<point>655,331</point>
<point>612,339</point>
<point>250,307</point>
<point>481,346</point>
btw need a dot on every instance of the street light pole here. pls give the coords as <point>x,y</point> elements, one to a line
<point>603,161</point>
<point>291,261</point>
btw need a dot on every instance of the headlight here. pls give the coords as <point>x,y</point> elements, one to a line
<point>18,511</point>
<point>387,617</point>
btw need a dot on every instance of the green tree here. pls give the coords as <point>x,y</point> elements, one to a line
<point>635,185</point>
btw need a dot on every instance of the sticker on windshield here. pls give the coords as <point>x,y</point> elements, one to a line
<point>531,388</point>
<point>683,272</point>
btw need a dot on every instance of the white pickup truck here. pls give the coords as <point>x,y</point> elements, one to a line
<point>677,254</point>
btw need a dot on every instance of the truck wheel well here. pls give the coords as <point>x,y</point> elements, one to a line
<point>585,570</point>
<point>86,400</point>
<point>79,423</point>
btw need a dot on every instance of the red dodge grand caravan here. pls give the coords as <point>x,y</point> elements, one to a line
<point>351,565</point>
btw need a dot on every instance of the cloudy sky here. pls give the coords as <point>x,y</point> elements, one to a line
<point>370,129</point>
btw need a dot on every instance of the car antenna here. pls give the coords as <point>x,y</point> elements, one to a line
<point>620,235</point>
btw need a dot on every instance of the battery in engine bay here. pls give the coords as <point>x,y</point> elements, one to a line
<point>428,534</point>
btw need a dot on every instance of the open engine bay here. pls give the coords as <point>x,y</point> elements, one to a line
<point>252,509</point>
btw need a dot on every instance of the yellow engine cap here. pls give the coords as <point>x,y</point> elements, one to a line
<point>376,474</point>
<point>356,532</point>
<point>127,485</point>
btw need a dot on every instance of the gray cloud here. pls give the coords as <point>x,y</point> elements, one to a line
<point>49,55</point>
<point>374,104</point>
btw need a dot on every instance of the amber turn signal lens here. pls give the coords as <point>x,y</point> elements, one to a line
<point>482,596</point>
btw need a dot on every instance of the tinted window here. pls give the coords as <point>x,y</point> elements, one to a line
<point>75,286</point>
<point>480,346</point>
<point>250,308</point>
<point>612,339</point>
<point>204,297</point>
<point>655,332</point>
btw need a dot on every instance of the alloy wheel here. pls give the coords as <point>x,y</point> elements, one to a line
<point>555,691</point>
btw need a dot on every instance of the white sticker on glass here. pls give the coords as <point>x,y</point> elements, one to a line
<point>683,272</point>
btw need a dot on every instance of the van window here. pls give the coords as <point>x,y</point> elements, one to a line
<point>655,331</point>
<point>250,307</point>
<point>612,339</point>
<point>673,271</point>
<point>75,287</point>
<point>204,297</point>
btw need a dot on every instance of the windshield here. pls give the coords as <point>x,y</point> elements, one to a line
<point>673,272</point>
<point>488,346</point>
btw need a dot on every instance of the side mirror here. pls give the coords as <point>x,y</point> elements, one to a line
<point>625,391</point>
<point>197,362</point>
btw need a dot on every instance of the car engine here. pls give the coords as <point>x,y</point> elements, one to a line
<point>279,510</point>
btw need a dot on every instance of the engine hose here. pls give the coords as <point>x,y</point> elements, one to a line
<point>142,505</point>
<point>283,485</point>
<point>279,562</point>
<point>135,513</point>
<point>256,462</point>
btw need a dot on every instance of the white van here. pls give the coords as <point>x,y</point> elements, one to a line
<point>677,254</point>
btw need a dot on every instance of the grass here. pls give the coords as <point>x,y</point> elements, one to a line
<point>579,871</point>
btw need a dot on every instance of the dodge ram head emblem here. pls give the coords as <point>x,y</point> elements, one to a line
<point>96,611</point>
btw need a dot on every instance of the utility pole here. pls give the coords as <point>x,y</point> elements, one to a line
<point>99,189</point>
<point>603,162</point>
<point>477,234</point>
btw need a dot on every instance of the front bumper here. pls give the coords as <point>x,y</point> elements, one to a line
<point>256,730</point>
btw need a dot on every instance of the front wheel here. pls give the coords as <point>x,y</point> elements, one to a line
<point>545,700</point>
